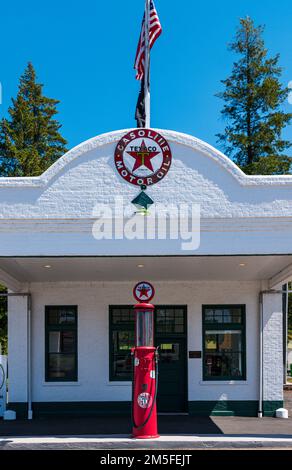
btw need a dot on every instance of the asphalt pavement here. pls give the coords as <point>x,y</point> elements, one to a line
<point>177,432</point>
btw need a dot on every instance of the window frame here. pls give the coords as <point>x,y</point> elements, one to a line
<point>69,327</point>
<point>208,326</point>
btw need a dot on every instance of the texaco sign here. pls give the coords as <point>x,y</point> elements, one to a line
<point>143,157</point>
<point>143,291</point>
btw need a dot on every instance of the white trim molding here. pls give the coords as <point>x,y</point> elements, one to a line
<point>9,281</point>
<point>281,277</point>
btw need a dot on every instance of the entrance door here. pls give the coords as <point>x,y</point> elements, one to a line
<point>170,335</point>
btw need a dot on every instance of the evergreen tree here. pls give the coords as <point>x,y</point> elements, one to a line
<point>253,96</point>
<point>29,139</point>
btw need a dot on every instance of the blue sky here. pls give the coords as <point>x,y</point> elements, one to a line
<point>83,52</point>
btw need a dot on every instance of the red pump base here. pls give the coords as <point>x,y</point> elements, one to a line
<point>145,437</point>
<point>144,403</point>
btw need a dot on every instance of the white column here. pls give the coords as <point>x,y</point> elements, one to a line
<point>272,348</point>
<point>17,351</point>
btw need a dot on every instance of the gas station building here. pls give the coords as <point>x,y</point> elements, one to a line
<point>218,304</point>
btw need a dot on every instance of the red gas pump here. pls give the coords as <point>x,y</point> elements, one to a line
<point>145,374</point>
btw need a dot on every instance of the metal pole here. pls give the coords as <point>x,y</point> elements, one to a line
<point>147,65</point>
<point>287,319</point>
<point>260,410</point>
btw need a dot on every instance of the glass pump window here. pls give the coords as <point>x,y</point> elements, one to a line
<point>61,343</point>
<point>224,343</point>
<point>144,327</point>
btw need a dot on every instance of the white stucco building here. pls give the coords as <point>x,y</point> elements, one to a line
<point>218,305</point>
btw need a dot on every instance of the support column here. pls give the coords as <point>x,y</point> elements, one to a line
<point>272,352</point>
<point>18,355</point>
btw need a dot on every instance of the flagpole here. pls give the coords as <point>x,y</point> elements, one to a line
<point>147,65</point>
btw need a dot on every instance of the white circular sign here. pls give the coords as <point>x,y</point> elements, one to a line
<point>143,157</point>
<point>143,291</point>
<point>144,400</point>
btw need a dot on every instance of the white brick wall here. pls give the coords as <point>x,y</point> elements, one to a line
<point>240,214</point>
<point>272,347</point>
<point>93,300</point>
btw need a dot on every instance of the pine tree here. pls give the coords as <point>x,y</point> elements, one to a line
<point>253,96</point>
<point>29,139</point>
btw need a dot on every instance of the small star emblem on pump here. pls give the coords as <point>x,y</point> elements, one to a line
<point>143,291</point>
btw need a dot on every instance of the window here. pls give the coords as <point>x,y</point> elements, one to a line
<point>224,342</point>
<point>121,341</point>
<point>168,321</point>
<point>61,343</point>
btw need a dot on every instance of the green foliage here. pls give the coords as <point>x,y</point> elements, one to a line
<point>30,140</point>
<point>270,165</point>
<point>253,96</point>
<point>3,320</point>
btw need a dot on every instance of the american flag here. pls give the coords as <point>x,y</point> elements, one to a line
<point>155,30</point>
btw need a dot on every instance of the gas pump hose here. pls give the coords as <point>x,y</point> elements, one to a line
<point>155,394</point>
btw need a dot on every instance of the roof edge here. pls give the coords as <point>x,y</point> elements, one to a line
<point>171,136</point>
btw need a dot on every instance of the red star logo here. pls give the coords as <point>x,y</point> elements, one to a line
<point>143,157</point>
<point>143,291</point>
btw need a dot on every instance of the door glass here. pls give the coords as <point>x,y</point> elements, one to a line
<point>169,320</point>
<point>168,352</point>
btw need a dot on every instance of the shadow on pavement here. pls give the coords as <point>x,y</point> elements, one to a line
<point>105,425</point>
<point>167,425</point>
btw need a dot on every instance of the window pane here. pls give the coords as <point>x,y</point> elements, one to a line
<point>236,315</point>
<point>170,320</point>
<point>227,365</point>
<point>61,316</point>
<point>123,341</point>
<point>169,352</point>
<point>62,341</point>
<point>62,366</point>
<point>223,353</point>
<point>209,315</point>
<point>227,316</point>
<point>223,315</point>
<point>122,321</point>
<point>122,315</point>
<point>223,340</point>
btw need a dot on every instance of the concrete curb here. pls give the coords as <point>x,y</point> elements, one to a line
<point>124,442</point>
